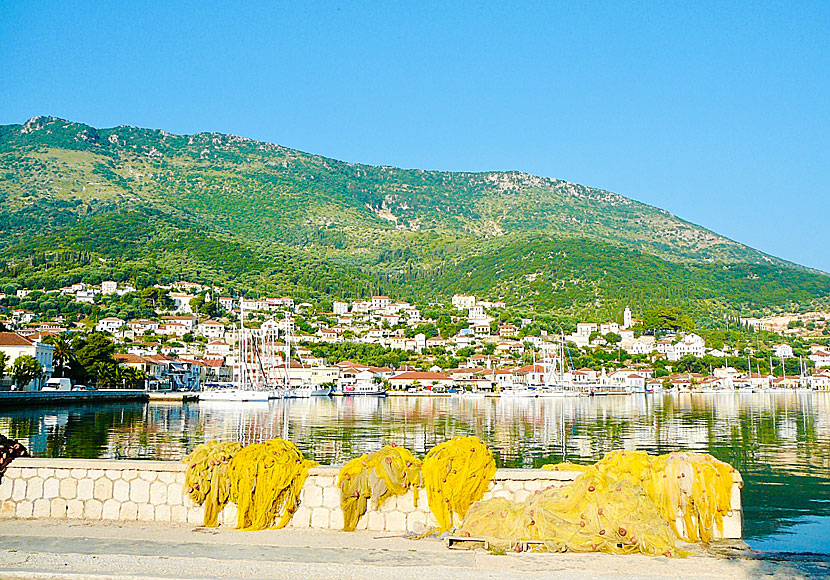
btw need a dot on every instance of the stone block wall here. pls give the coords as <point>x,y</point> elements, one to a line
<point>94,489</point>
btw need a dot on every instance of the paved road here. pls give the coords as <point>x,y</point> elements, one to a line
<point>65,549</point>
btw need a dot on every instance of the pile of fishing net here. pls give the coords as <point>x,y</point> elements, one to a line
<point>10,449</point>
<point>206,479</point>
<point>379,475</point>
<point>457,473</point>
<point>264,480</point>
<point>628,502</point>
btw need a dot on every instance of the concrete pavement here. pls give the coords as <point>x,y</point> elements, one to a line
<point>79,550</point>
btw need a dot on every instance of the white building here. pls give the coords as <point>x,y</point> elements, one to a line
<point>820,358</point>
<point>85,296</point>
<point>110,324</point>
<point>638,347</point>
<point>609,327</point>
<point>692,344</point>
<point>340,308</point>
<point>627,318</point>
<point>109,287</point>
<point>142,325</point>
<point>463,301</point>
<point>585,329</point>
<point>475,312</point>
<point>181,301</point>
<point>15,346</point>
<point>380,302</point>
<point>783,351</point>
<point>211,329</point>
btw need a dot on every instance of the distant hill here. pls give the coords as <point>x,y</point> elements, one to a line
<point>78,202</point>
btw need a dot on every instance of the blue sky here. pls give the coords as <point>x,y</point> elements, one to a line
<point>717,112</point>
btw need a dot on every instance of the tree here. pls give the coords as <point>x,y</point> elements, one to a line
<point>62,356</point>
<point>689,364</point>
<point>94,354</point>
<point>130,378</point>
<point>199,305</point>
<point>612,338</point>
<point>667,318</point>
<point>4,358</point>
<point>156,298</point>
<point>25,369</point>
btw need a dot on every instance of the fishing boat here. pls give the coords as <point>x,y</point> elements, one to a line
<point>365,389</point>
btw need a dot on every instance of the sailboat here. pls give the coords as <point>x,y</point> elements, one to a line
<point>555,384</point>
<point>245,389</point>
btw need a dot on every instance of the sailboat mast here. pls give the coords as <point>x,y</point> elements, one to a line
<point>287,352</point>
<point>242,365</point>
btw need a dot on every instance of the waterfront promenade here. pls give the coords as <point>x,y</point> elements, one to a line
<point>80,550</point>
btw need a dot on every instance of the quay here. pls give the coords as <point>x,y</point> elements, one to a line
<point>94,519</point>
<point>30,398</point>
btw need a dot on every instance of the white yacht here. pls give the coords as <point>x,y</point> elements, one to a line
<point>308,390</point>
<point>519,392</point>
<point>233,394</point>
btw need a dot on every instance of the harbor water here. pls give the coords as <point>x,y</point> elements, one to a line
<point>780,441</point>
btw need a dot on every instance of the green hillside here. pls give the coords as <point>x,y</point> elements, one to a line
<point>79,203</point>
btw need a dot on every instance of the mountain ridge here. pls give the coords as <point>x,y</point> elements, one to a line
<point>394,225</point>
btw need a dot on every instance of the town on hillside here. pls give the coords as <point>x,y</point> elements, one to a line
<point>186,337</point>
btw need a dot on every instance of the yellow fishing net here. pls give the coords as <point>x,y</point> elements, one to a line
<point>206,479</point>
<point>627,502</point>
<point>265,483</point>
<point>693,491</point>
<point>389,471</point>
<point>456,474</point>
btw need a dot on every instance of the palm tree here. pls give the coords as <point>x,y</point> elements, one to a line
<point>62,356</point>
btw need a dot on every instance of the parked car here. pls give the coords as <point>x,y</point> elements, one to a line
<point>83,388</point>
<point>56,384</point>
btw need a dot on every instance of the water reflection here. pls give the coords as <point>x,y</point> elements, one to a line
<point>780,441</point>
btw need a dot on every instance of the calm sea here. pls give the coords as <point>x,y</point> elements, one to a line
<point>780,442</point>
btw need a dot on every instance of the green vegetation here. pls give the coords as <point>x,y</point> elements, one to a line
<point>25,369</point>
<point>142,206</point>
<point>365,354</point>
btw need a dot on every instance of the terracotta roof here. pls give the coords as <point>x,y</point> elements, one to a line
<point>129,358</point>
<point>213,362</point>
<point>531,369</point>
<point>418,375</point>
<point>40,335</point>
<point>14,339</point>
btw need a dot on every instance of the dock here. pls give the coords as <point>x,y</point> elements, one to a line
<point>174,396</point>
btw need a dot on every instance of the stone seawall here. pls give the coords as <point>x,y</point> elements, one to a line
<point>95,489</point>
<point>16,399</point>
